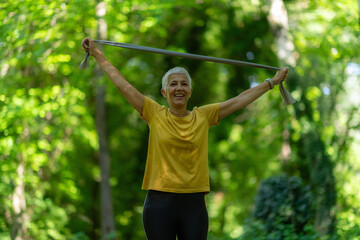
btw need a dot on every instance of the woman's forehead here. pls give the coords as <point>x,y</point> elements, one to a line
<point>178,77</point>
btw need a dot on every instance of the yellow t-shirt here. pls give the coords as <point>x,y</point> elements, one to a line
<point>177,159</point>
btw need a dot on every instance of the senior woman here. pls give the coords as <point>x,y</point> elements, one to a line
<point>176,173</point>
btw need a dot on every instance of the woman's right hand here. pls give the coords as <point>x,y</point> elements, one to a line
<point>280,75</point>
<point>89,46</point>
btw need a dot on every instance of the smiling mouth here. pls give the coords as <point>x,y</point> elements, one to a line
<point>179,95</point>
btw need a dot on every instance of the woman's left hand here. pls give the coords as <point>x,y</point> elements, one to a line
<point>280,75</point>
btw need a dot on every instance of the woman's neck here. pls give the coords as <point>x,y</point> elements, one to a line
<point>179,112</point>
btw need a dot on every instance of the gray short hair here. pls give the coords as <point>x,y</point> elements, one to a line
<point>165,78</point>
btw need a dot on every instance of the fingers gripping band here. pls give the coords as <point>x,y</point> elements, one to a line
<point>85,62</point>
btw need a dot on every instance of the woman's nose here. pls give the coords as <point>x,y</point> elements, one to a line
<point>179,86</point>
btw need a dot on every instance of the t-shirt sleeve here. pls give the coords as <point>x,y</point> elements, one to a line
<point>211,111</point>
<point>150,107</point>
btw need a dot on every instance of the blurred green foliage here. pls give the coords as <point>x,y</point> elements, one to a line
<point>283,200</point>
<point>47,109</point>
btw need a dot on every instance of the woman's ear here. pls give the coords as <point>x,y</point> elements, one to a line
<point>163,93</point>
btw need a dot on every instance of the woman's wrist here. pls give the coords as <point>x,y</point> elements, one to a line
<point>96,53</point>
<point>271,82</point>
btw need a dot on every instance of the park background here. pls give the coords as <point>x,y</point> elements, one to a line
<point>73,152</point>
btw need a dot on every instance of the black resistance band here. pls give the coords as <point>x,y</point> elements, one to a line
<point>287,99</point>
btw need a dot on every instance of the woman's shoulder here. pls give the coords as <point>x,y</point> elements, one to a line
<point>210,112</point>
<point>151,101</point>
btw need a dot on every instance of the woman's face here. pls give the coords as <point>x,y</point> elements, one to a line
<point>178,90</point>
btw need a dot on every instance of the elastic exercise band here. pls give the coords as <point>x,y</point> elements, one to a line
<point>287,99</point>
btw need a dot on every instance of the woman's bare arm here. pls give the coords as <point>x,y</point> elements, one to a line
<point>245,98</point>
<point>132,95</point>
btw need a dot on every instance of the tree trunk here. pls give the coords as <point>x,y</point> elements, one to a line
<point>20,219</point>
<point>279,23</point>
<point>324,191</point>
<point>18,229</point>
<point>107,214</point>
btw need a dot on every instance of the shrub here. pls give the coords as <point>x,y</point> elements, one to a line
<point>283,209</point>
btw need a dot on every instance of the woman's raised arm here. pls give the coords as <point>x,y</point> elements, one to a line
<point>250,95</point>
<point>132,95</point>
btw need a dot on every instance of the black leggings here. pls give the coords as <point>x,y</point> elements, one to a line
<point>167,215</point>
